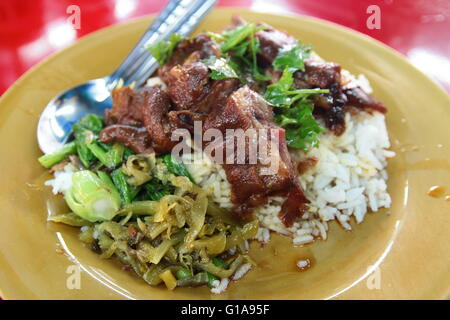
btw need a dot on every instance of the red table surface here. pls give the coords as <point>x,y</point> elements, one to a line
<point>30,30</point>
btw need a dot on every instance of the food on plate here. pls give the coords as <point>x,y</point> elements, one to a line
<point>170,210</point>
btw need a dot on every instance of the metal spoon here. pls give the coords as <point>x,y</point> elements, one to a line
<point>55,123</point>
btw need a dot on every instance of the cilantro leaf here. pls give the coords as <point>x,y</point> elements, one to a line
<point>220,68</point>
<point>281,94</point>
<point>241,45</point>
<point>302,129</point>
<point>294,112</point>
<point>277,94</point>
<point>292,58</point>
<point>162,50</point>
<point>233,37</point>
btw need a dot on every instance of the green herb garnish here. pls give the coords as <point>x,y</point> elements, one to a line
<point>241,45</point>
<point>292,58</point>
<point>220,68</point>
<point>281,94</point>
<point>162,50</point>
<point>302,129</point>
<point>294,110</point>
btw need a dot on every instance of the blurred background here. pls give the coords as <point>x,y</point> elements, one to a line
<point>31,30</point>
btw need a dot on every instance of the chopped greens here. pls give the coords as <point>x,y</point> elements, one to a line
<point>219,263</point>
<point>155,190</point>
<point>211,279</point>
<point>234,37</point>
<point>281,94</point>
<point>302,130</point>
<point>295,107</point>
<point>162,50</point>
<point>147,212</point>
<point>90,122</point>
<point>241,45</point>
<point>176,168</point>
<point>127,192</point>
<point>49,160</point>
<point>292,58</point>
<point>220,68</point>
<point>294,112</point>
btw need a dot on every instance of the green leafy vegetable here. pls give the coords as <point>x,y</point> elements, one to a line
<point>82,140</point>
<point>292,58</point>
<point>219,263</point>
<point>197,280</point>
<point>155,190</point>
<point>91,197</point>
<point>99,153</point>
<point>126,191</point>
<point>51,159</point>
<point>176,168</point>
<point>90,149</point>
<point>89,122</point>
<point>86,131</point>
<point>70,219</point>
<point>220,68</point>
<point>127,153</point>
<point>162,50</point>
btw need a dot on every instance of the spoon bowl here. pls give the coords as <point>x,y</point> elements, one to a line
<point>55,124</point>
<point>62,112</point>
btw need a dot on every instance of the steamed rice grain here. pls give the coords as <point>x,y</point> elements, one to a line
<point>348,180</point>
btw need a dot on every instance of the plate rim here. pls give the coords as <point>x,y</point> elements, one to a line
<point>229,10</point>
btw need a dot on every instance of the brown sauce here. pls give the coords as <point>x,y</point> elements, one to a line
<point>436,191</point>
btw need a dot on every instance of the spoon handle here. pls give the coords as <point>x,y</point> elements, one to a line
<point>178,16</point>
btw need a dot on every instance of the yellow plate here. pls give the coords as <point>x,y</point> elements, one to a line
<point>401,253</point>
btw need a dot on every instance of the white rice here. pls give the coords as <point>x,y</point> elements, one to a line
<point>219,287</point>
<point>302,264</point>
<point>241,271</point>
<point>62,180</point>
<point>348,180</point>
<point>156,81</point>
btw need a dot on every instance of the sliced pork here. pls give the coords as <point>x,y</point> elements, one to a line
<point>245,109</point>
<point>146,127</point>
